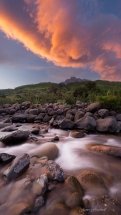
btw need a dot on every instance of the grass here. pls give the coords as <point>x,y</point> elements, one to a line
<point>108,93</point>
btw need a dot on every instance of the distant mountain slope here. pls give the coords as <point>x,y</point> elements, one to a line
<point>69,91</point>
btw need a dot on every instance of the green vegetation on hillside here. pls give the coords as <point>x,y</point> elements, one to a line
<point>108,93</point>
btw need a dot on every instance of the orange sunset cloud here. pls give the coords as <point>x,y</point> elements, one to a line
<point>65,35</point>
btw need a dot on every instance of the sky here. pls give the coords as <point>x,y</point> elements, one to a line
<point>52,40</point>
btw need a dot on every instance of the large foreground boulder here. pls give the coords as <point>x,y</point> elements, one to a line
<point>16,137</point>
<point>107,125</point>
<point>87,123</point>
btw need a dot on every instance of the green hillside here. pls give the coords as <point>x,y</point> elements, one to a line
<point>109,93</point>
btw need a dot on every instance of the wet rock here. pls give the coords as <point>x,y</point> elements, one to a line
<point>109,150</point>
<point>78,211</point>
<point>47,149</point>
<point>6,158</point>
<point>9,128</point>
<point>35,130</point>
<point>49,168</point>
<point>66,124</point>
<point>39,202</point>
<point>87,123</point>
<point>18,167</point>
<point>77,134</point>
<point>93,182</point>
<point>103,113</point>
<point>74,200</point>
<point>93,107</point>
<point>108,124</point>
<point>55,139</point>
<point>15,137</point>
<point>55,208</point>
<point>3,125</point>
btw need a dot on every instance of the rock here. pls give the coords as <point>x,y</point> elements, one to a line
<point>34,111</point>
<point>69,116</point>
<point>25,105</point>
<point>30,118</point>
<point>103,113</point>
<point>40,117</point>
<point>66,124</point>
<point>15,137</point>
<point>108,124</point>
<point>49,168</point>
<point>77,134</point>
<point>9,128</point>
<point>4,125</point>
<point>87,123</point>
<point>47,149</point>
<point>74,186</point>
<point>109,150</point>
<point>74,200</point>
<point>55,208</point>
<point>35,130</point>
<point>78,115</point>
<point>118,117</point>
<point>6,158</point>
<point>78,211</point>
<point>92,181</point>
<point>19,118</point>
<point>47,118</point>
<point>18,167</point>
<point>55,139</point>
<point>93,107</point>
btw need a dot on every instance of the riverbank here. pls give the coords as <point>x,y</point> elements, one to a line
<point>87,118</point>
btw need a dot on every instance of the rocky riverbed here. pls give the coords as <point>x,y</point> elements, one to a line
<point>57,159</point>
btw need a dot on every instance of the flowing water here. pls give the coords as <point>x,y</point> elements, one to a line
<point>75,156</point>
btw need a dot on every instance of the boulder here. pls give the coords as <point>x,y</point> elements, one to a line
<point>6,158</point>
<point>107,125</point>
<point>108,150</point>
<point>66,124</point>
<point>9,128</point>
<point>49,168</point>
<point>87,123</point>
<point>118,117</point>
<point>78,115</point>
<point>77,134</point>
<point>47,149</point>
<point>55,139</point>
<point>19,118</point>
<point>19,167</point>
<point>15,137</point>
<point>93,107</point>
<point>103,113</point>
<point>34,111</point>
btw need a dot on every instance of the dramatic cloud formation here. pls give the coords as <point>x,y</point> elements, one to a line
<point>70,33</point>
